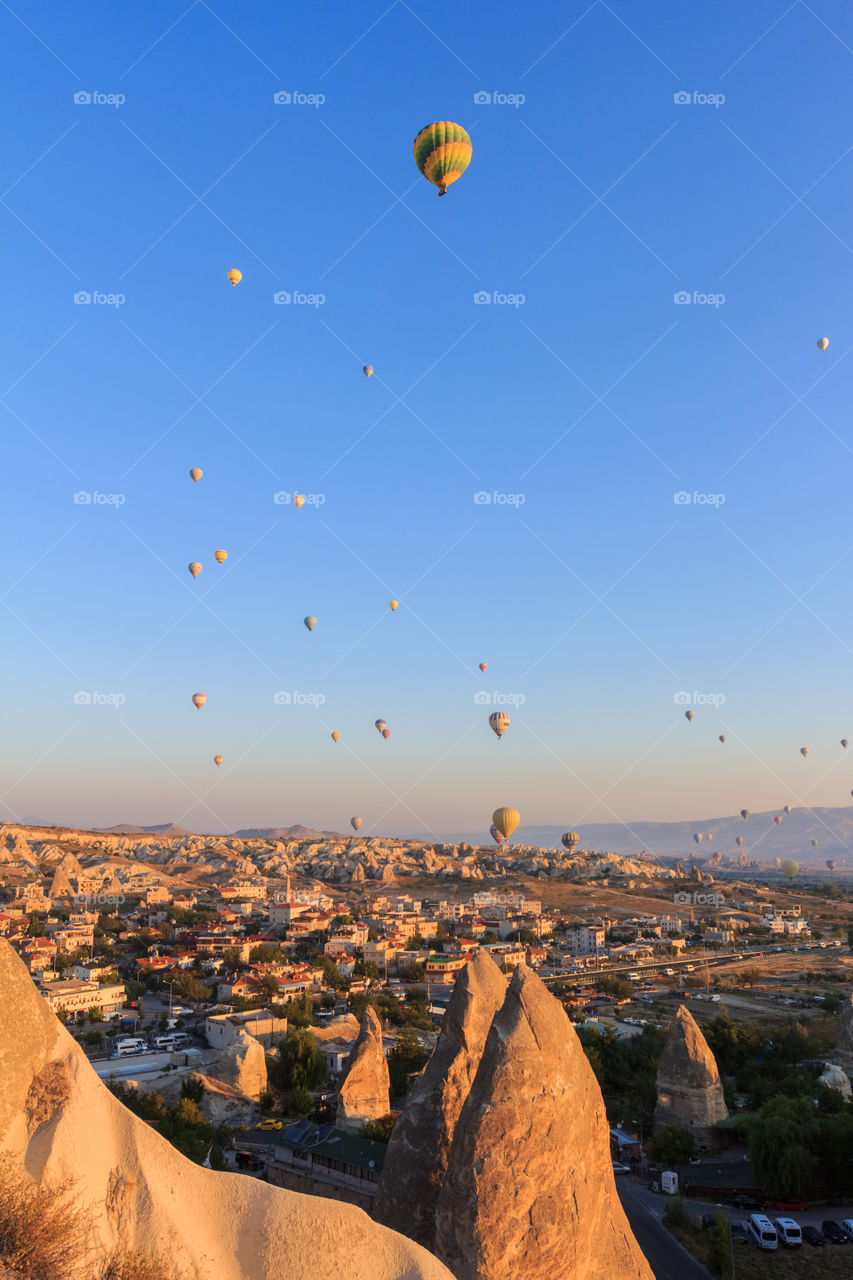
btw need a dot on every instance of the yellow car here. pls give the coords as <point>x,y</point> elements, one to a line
<point>268,1124</point>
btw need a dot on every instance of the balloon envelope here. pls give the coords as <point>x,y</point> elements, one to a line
<point>298,501</point>
<point>386,734</point>
<point>571,839</point>
<point>310,622</point>
<point>688,715</point>
<point>506,820</point>
<point>804,751</point>
<point>220,556</point>
<point>217,760</point>
<point>823,343</point>
<point>199,699</point>
<point>722,737</point>
<point>744,813</point>
<point>778,820</point>
<point>368,371</point>
<point>844,742</point>
<point>739,840</point>
<point>499,722</point>
<point>482,666</point>
<point>788,808</point>
<point>335,735</point>
<point>196,474</point>
<point>442,152</point>
<point>380,725</point>
<point>495,834</point>
<point>789,868</point>
<point>195,568</point>
<point>355,823</point>
<point>392,605</point>
<point>830,862</point>
<point>235,276</point>
<point>698,837</point>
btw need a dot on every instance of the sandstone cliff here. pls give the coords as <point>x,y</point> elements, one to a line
<point>243,1065</point>
<point>690,1092</point>
<point>365,1091</point>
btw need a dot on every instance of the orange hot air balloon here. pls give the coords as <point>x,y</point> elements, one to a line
<point>217,760</point>
<point>235,276</point>
<point>220,556</point>
<point>196,474</point>
<point>386,734</point>
<point>195,568</point>
<point>392,604</point>
<point>298,501</point>
<point>778,820</point>
<point>335,735</point>
<point>199,699</point>
<point>689,715</point>
<point>482,666</point>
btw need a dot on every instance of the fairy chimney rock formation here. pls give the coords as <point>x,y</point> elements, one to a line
<point>690,1092</point>
<point>835,1077</point>
<point>243,1065</point>
<point>416,1161</point>
<point>529,1190</point>
<point>365,1092</point>
<point>844,1038</point>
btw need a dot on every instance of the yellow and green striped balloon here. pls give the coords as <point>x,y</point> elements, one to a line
<point>442,153</point>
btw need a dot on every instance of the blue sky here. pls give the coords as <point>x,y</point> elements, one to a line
<point>582,393</point>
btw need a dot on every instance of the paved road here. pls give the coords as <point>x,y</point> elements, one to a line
<point>666,1257</point>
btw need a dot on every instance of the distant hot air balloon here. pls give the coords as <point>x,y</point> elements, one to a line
<point>710,836</point>
<point>830,862</point>
<point>722,737</point>
<point>380,725</point>
<point>804,751</point>
<point>689,715</point>
<point>844,742</point>
<point>196,473</point>
<point>298,500</point>
<point>739,841</point>
<point>777,863</point>
<point>355,823</point>
<point>814,843</point>
<point>717,859</point>
<point>220,556</point>
<point>570,840</point>
<point>495,834</point>
<point>499,722</point>
<point>392,605</point>
<point>789,868</point>
<point>335,735</point>
<point>823,343</point>
<point>787,808</point>
<point>506,820</point>
<point>310,622</point>
<point>697,836</point>
<point>199,699</point>
<point>235,276</point>
<point>195,568</point>
<point>442,152</point>
<point>482,666</point>
<point>217,760</point>
<point>744,813</point>
<point>386,734</point>
<point>778,820</point>
<point>368,371</point>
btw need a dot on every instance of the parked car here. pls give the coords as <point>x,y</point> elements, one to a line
<point>621,1168</point>
<point>268,1124</point>
<point>847,1227</point>
<point>833,1232</point>
<point>812,1236</point>
<point>748,1202</point>
<point>791,1206</point>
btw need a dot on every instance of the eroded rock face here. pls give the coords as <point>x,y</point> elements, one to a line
<point>529,1190</point>
<point>59,1122</point>
<point>844,1038</point>
<point>243,1065</point>
<point>365,1091</point>
<point>690,1092</point>
<point>835,1077</point>
<point>416,1162</point>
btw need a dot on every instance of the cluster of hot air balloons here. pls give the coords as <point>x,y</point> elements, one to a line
<point>383,729</point>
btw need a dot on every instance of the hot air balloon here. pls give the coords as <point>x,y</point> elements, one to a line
<point>787,808</point>
<point>804,751</point>
<point>482,666</point>
<point>392,605</point>
<point>710,836</point>
<point>199,699</point>
<point>368,371</point>
<point>814,844</point>
<point>335,735</point>
<point>722,737</point>
<point>386,734</point>
<point>506,820</point>
<point>789,868</point>
<point>217,760</point>
<point>717,858</point>
<point>688,715</point>
<point>844,742</point>
<point>739,841</point>
<point>778,820</point>
<point>380,725</point>
<point>499,722</point>
<point>235,276</point>
<point>571,840</point>
<point>744,813</point>
<point>355,823</point>
<point>298,500</point>
<point>777,863</point>
<point>195,568</point>
<point>220,556</point>
<point>442,152</point>
<point>495,834</point>
<point>196,474</point>
<point>823,343</point>
<point>697,836</point>
<point>830,862</point>
<point>310,622</point>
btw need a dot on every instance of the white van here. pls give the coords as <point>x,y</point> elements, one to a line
<point>762,1231</point>
<point>788,1231</point>
<point>126,1047</point>
<point>179,1039</point>
<point>164,1042</point>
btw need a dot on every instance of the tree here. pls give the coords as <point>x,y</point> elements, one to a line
<point>673,1145</point>
<point>298,1102</point>
<point>96,1014</point>
<point>782,1141</point>
<point>719,1246</point>
<point>378,1130</point>
<point>269,984</point>
<point>302,1065</point>
<point>414,943</point>
<point>407,1057</point>
<point>192,1089</point>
